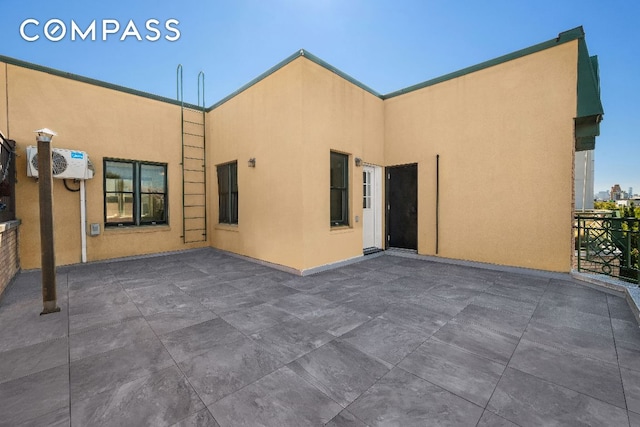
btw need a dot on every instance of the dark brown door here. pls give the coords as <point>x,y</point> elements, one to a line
<point>402,206</point>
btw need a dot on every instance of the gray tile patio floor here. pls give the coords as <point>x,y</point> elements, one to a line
<point>205,339</point>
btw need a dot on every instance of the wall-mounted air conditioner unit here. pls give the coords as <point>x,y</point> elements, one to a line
<point>66,164</point>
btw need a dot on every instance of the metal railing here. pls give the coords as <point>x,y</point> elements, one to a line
<point>7,179</point>
<point>608,245</point>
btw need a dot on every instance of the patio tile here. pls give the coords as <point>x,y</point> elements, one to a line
<point>574,288</point>
<point>335,318</point>
<point>57,418</point>
<point>454,293</point>
<point>634,419</point>
<point>577,341</point>
<point>28,360</point>
<point>619,309</point>
<point>21,328</point>
<point>339,370</point>
<point>463,374</point>
<point>227,368</point>
<point>199,419</point>
<point>587,304</point>
<point>94,309</point>
<point>345,419</point>
<point>416,316</point>
<point>368,303</point>
<point>626,331</point>
<point>113,368</point>
<point>291,339</point>
<point>434,304</point>
<point>233,302</point>
<point>518,290</point>
<point>34,396</point>
<point>628,354</point>
<point>280,399</point>
<point>386,340</point>
<point>272,291</point>
<point>631,382</point>
<point>256,318</point>
<point>557,316</point>
<point>492,318</point>
<point>105,338</point>
<point>530,401</point>
<point>489,419</point>
<point>205,288</point>
<point>402,399</point>
<point>493,345</point>
<point>188,342</point>
<point>301,303</point>
<point>501,302</point>
<point>162,398</point>
<point>169,321</point>
<point>589,376</point>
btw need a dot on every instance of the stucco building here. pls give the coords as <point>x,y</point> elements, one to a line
<point>305,167</point>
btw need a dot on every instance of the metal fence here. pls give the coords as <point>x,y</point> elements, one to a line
<point>608,245</point>
<point>7,179</point>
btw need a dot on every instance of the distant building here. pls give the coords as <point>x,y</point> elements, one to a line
<point>631,192</point>
<point>616,192</point>
<point>603,195</point>
<point>583,179</point>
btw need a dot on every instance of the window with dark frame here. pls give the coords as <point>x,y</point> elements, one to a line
<point>228,193</point>
<point>135,193</point>
<point>339,189</point>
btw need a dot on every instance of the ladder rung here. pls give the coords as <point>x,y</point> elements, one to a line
<point>194,206</point>
<point>193,134</point>
<point>194,182</point>
<point>194,194</point>
<point>194,170</point>
<point>193,158</point>
<point>194,146</point>
<point>195,123</point>
<point>195,229</point>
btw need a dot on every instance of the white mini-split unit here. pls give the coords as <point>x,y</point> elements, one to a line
<point>66,164</point>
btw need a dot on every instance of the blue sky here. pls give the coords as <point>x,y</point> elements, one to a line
<point>385,44</point>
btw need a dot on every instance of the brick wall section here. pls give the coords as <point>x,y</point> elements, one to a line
<point>9,260</point>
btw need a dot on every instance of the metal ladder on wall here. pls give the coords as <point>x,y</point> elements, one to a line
<point>194,174</point>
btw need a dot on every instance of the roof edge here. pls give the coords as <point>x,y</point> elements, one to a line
<point>95,82</point>
<point>301,53</point>
<point>563,37</point>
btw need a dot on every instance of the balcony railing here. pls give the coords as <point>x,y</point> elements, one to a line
<point>608,245</point>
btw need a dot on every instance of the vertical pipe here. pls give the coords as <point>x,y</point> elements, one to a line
<point>83,221</point>
<point>584,184</point>
<point>437,202</point>
<point>47,251</point>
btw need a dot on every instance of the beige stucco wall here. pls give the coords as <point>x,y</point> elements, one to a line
<point>264,123</point>
<point>104,123</point>
<point>290,121</point>
<point>337,116</point>
<point>505,139</point>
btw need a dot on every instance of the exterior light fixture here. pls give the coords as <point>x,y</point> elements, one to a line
<point>358,161</point>
<point>45,190</point>
<point>252,162</point>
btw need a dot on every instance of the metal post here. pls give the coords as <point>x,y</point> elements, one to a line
<point>49,298</point>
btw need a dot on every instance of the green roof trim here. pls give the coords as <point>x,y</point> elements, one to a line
<point>95,82</point>
<point>291,58</point>
<point>564,37</point>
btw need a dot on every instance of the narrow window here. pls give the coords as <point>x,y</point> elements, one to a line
<point>339,190</point>
<point>135,193</point>
<point>228,193</point>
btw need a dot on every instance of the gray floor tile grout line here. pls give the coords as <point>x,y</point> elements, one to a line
<point>186,378</point>
<point>516,346</point>
<point>615,346</point>
<point>552,382</point>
